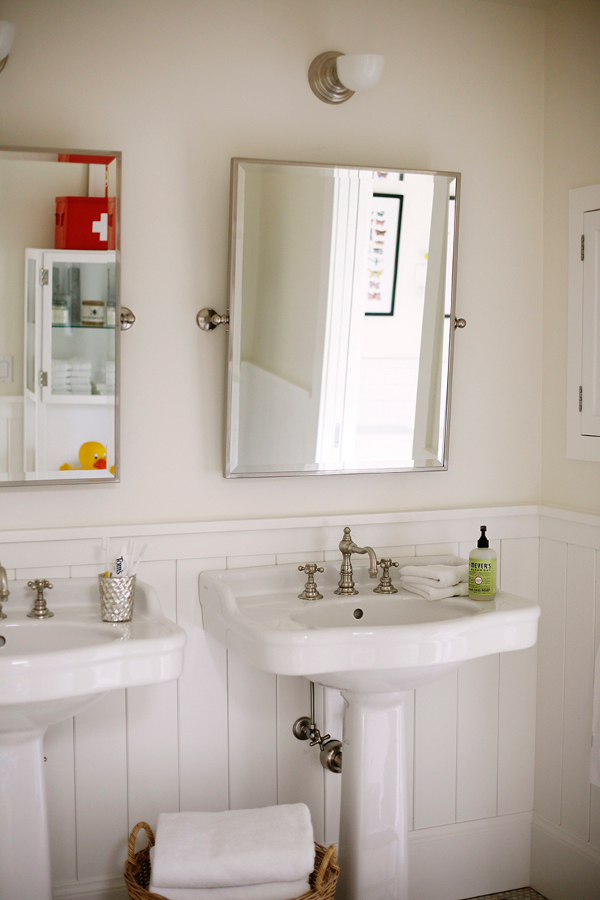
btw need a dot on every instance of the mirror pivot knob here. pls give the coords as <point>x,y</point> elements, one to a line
<point>127,318</point>
<point>207,319</point>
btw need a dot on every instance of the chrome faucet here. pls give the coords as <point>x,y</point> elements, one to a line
<point>4,592</point>
<point>348,547</point>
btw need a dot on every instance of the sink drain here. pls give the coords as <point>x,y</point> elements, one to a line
<point>2,641</point>
<point>358,613</point>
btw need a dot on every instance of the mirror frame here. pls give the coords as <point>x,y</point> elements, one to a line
<point>232,313</point>
<point>42,154</point>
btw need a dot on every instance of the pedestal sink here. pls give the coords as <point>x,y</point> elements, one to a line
<point>51,669</point>
<point>374,648</point>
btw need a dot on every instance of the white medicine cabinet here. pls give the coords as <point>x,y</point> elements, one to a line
<point>70,344</point>
<point>583,374</point>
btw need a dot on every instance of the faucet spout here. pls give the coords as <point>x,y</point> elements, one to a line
<point>372,560</point>
<point>347,548</point>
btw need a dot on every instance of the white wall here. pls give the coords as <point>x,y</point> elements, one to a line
<point>571,160</point>
<point>180,88</point>
<point>566,837</point>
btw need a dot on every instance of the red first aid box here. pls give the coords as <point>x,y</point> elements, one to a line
<point>85,223</point>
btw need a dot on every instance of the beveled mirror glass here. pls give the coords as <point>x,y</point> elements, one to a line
<point>341,305</point>
<point>59,303</point>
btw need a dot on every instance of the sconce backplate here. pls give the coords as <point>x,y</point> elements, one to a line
<point>324,81</point>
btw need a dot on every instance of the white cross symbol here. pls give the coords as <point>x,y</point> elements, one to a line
<point>101,226</point>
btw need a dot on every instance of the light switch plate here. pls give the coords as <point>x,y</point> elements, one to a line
<point>6,366</point>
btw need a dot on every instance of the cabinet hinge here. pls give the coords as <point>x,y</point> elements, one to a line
<point>580,398</point>
<point>43,379</point>
<point>582,247</point>
<point>44,276</point>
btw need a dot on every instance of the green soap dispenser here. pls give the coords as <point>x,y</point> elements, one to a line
<point>482,569</point>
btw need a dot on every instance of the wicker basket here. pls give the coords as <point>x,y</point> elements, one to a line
<point>137,871</point>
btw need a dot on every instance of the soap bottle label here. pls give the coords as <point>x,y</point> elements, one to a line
<point>482,577</point>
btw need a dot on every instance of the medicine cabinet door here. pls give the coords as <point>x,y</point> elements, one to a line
<point>583,357</point>
<point>70,381</point>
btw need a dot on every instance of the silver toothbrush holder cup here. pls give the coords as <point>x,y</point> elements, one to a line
<point>116,597</point>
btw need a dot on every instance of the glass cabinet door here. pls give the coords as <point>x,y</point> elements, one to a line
<point>72,374</point>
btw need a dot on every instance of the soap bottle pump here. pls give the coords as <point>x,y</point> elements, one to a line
<point>482,569</point>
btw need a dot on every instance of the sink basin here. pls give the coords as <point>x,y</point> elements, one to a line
<point>366,642</point>
<point>51,669</point>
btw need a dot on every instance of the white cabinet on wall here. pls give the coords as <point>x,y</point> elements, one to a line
<point>69,360</point>
<point>583,379</point>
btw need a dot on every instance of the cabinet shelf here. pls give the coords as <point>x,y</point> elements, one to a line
<point>86,327</point>
<point>87,399</point>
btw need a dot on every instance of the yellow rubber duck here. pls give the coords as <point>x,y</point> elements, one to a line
<point>92,455</point>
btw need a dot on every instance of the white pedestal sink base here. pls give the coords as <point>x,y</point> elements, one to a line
<point>24,844</point>
<point>50,670</point>
<point>374,649</point>
<point>373,848</point>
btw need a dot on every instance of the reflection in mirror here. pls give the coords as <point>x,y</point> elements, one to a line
<point>341,305</point>
<point>59,300</point>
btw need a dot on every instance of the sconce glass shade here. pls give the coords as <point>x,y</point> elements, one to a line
<point>7,33</point>
<point>359,71</point>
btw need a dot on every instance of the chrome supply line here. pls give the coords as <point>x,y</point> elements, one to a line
<point>305,729</point>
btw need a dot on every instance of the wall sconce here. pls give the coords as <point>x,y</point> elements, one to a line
<point>334,76</point>
<point>7,33</point>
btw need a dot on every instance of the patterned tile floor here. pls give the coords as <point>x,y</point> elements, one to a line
<point>526,893</point>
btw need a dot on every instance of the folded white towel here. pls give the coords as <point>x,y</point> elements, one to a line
<point>595,756</point>
<point>436,593</point>
<point>437,576</point>
<point>234,848</point>
<point>283,890</point>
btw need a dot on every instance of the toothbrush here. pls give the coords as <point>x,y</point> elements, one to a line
<point>129,552</point>
<point>135,564</point>
<point>120,562</point>
<point>105,543</point>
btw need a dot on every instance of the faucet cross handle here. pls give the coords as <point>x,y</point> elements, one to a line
<point>4,592</point>
<point>40,610</point>
<point>310,591</point>
<point>385,585</point>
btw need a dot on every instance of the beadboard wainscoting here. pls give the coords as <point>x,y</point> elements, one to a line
<point>566,827</point>
<point>221,737</point>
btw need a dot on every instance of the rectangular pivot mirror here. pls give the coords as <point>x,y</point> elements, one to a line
<point>342,284</point>
<point>59,300</point>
